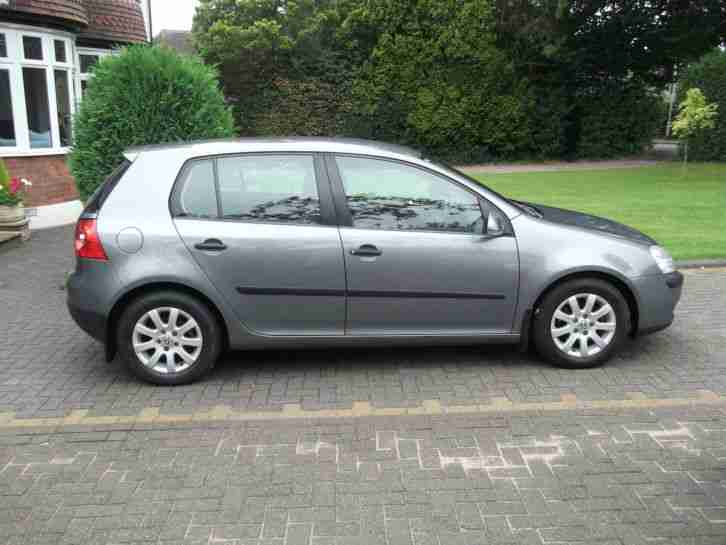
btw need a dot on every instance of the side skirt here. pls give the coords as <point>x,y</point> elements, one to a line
<point>262,342</point>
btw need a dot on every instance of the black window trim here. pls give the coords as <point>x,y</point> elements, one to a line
<point>95,202</point>
<point>328,215</point>
<point>346,218</point>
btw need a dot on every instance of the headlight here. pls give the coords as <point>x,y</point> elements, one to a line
<point>663,259</point>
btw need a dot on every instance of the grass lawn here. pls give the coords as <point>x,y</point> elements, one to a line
<point>683,211</point>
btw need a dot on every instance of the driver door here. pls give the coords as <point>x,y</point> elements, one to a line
<point>417,259</point>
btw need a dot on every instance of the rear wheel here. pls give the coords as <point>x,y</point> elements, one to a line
<point>169,338</point>
<point>581,323</point>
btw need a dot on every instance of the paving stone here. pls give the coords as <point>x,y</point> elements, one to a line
<point>605,476</point>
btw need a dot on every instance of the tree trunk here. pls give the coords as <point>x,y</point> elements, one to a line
<point>685,154</point>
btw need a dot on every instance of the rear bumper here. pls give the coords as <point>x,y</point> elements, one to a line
<point>89,321</point>
<point>658,296</point>
<point>88,289</point>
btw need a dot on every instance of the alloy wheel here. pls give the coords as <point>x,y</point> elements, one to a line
<point>583,325</point>
<point>167,340</point>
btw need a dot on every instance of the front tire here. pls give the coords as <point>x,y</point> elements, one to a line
<point>169,338</point>
<point>581,323</point>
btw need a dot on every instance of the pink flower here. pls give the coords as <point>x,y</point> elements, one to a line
<point>14,185</point>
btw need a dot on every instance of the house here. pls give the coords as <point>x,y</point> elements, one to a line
<point>47,52</point>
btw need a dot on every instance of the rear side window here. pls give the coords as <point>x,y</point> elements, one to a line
<point>195,195</point>
<point>269,188</point>
<point>94,204</point>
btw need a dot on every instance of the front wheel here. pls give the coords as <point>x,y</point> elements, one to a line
<point>581,323</point>
<point>168,338</point>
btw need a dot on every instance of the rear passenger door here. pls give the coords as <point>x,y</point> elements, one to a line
<point>262,227</point>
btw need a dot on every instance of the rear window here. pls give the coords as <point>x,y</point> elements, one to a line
<point>94,204</point>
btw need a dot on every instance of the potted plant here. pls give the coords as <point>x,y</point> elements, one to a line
<point>12,194</point>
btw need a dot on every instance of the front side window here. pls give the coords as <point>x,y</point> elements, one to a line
<point>389,195</point>
<point>37,108</point>
<point>7,122</point>
<point>270,188</point>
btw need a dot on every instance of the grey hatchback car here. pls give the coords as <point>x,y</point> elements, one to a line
<point>188,250</point>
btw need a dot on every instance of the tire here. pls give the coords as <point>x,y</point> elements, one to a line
<point>197,335</point>
<point>602,340</point>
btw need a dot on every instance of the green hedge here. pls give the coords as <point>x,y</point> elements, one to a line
<point>462,80</point>
<point>145,95</point>
<point>709,75</point>
<point>616,121</point>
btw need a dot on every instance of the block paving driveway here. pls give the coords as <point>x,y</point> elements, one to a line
<point>457,446</point>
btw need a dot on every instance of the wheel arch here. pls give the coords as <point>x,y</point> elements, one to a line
<point>151,287</point>
<point>619,283</point>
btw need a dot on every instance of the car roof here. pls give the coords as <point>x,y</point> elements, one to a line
<point>204,148</point>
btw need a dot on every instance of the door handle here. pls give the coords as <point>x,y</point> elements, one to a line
<point>367,250</point>
<point>211,245</point>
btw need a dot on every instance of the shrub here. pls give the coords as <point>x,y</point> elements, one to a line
<point>709,75</point>
<point>303,108</point>
<point>145,95</point>
<point>616,121</point>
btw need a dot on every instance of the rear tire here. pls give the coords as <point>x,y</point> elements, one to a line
<point>168,338</point>
<point>581,323</point>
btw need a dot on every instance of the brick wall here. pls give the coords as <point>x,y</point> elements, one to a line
<point>52,181</point>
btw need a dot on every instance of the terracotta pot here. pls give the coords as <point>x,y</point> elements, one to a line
<point>11,214</point>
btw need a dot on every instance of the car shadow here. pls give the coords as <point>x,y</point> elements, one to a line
<point>359,358</point>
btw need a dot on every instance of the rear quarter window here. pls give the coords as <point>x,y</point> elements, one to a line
<point>194,193</point>
<point>94,204</point>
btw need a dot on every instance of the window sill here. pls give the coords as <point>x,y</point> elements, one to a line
<point>34,153</point>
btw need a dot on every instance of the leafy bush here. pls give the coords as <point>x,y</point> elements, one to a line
<point>709,75</point>
<point>145,95</point>
<point>614,121</point>
<point>302,107</point>
<point>464,80</point>
<point>436,80</point>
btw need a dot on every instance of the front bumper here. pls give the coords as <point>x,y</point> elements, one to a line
<point>658,296</point>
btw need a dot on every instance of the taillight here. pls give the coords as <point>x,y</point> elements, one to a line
<point>88,243</point>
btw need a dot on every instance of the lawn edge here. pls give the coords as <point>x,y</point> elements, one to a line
<point>701,263</point>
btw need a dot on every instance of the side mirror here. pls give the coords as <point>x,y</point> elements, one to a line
<point>495,225</point>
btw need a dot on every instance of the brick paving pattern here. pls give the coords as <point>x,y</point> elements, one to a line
<point>49,367</point>
<point>599,478</point>
<point>651,475</point>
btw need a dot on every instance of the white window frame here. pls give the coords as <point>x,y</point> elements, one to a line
<point>86,76</point>
<point>14,64</point>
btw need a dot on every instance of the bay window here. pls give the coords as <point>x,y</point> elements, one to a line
<point>87,60</point>
<point>63,105</point>
<point>37,95</point>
